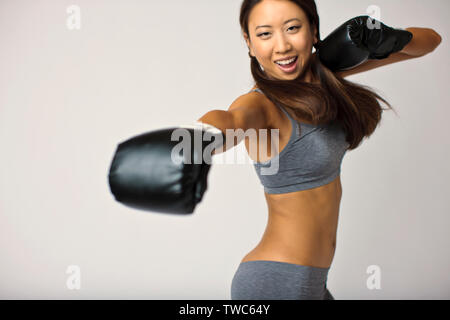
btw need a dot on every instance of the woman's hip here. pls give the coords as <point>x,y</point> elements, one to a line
<point>275,280</point>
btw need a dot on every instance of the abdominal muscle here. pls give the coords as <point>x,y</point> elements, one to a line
<point>301,227</point>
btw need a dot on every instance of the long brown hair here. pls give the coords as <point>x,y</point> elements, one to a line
<point>332,99</point>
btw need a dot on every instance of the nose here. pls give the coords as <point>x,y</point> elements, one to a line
<point>282,44</point>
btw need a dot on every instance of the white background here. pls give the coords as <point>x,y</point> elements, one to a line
<point>68,97</point>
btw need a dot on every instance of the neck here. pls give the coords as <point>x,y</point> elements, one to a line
<point>309,77</point>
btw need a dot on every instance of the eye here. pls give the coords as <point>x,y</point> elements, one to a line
<point>261,34</point>
<point>297,27</point>
<point>265,33</point>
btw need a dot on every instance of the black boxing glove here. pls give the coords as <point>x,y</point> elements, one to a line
<point>165,170</point>
<point>359,39</point>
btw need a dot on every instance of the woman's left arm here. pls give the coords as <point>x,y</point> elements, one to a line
<point>423,42</point>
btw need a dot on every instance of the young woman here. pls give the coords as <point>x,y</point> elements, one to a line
<point>320,116</point>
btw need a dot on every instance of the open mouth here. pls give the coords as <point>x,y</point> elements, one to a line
<point>288,66</point>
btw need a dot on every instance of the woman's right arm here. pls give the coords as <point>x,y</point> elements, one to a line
<point>248,111</point>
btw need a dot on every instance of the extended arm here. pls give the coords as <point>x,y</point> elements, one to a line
<point>246,112</point>
<point>166,170</point>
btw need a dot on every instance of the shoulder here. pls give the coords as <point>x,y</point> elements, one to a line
<point>256,104</point>
<point>253,110</point>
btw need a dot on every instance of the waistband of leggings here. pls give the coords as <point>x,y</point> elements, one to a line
<point>313,272</point>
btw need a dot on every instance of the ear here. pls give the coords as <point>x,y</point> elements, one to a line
<point>247,40</point>
<point>315,40</point>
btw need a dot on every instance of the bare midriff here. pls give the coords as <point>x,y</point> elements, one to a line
<point>302,225</point>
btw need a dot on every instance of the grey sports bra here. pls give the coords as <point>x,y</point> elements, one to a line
<point>311,158</point>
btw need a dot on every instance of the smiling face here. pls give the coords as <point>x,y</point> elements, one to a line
<point>279,29</point>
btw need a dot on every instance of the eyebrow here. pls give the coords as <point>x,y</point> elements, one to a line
<point>284,23</point>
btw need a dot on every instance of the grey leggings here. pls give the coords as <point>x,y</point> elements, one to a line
<point>274,280</point>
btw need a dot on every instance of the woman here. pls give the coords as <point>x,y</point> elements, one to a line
<point>319,116</point>
<point>326,116</point>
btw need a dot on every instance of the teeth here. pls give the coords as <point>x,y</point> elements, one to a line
<point>285,62</point>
